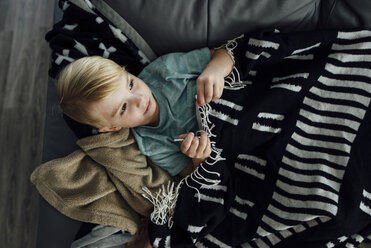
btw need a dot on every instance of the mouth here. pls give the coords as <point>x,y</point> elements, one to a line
<point>148,106</point>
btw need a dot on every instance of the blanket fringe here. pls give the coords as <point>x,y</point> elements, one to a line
<point>164,201</point>
<point>232,81</point>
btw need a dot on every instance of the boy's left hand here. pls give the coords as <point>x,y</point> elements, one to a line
<point>209,86</point>
<point>197,148</point>
<point>210,83</point>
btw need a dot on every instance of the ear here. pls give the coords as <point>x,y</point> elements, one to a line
<point>108,129</point>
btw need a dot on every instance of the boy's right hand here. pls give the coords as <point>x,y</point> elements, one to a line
<point>197,148</point>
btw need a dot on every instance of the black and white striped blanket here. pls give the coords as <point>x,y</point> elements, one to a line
<point>81,33</point>
<point>291,161</point>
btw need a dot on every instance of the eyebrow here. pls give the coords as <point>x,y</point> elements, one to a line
<point>117,109</point>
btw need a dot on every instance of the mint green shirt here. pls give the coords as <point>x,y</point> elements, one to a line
<point>172,80</point>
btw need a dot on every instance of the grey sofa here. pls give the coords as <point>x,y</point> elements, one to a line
<point>178,25</point>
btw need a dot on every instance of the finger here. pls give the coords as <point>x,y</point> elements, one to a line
<point>200,92</point>
<point>221,88</point>
<point>218,90</point>
<point>209,91</point>
<point>193,147</point>
<point>182,136</point>
<point>202,144</point>
<point>208,147</point>
<point>184,147</point>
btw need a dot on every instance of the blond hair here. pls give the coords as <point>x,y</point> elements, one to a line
<point>84,81</point>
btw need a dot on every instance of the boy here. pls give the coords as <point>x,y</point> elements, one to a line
<point>98,92</point>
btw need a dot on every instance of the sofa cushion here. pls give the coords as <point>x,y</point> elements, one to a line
<point>345,14</point>
<point>186,25</point>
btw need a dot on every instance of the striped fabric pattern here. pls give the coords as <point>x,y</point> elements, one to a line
<point>296,162</point>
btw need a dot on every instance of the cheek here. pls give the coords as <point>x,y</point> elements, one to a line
<point>133,119</point>
<point>144,87</point>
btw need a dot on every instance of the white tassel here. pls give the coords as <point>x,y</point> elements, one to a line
<point>232,81</point>
<point>230,46</point>
<point>163,202</point>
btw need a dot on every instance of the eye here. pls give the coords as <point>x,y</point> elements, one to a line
<point>131,84</point>
<point>123,108</point>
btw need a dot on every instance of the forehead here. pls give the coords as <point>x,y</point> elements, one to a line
<point>120,90</point>
<point>114,96</point>
<point>120,82</point>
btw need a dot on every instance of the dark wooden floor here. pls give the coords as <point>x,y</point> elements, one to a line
<point>24,57</point>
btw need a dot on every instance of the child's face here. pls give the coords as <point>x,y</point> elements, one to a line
<point>131,105</point>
